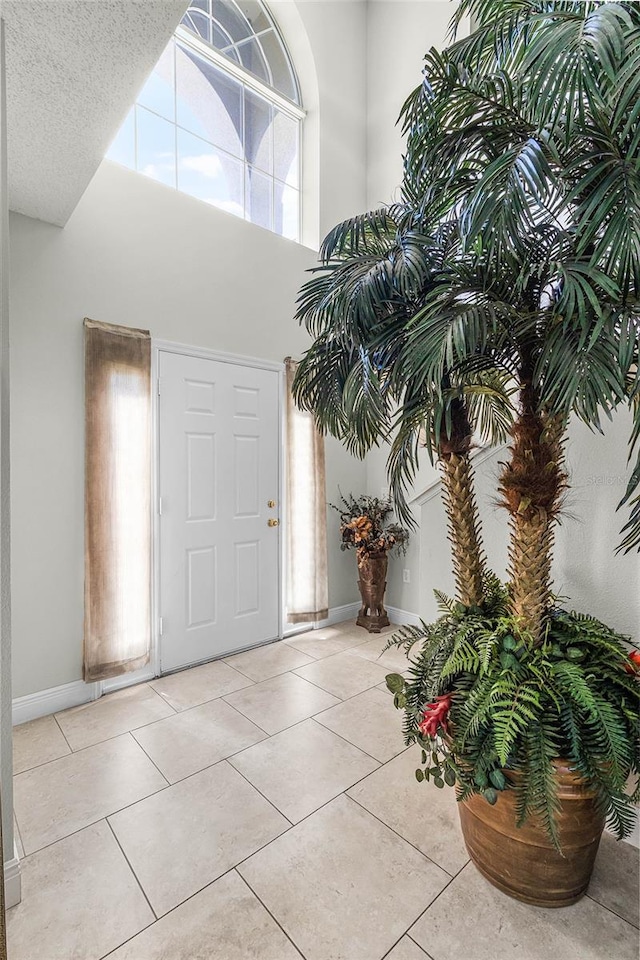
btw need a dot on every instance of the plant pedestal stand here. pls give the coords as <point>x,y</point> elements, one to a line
<point>372,584</point>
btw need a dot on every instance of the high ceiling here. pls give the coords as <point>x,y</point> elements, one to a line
<point>74,68</point>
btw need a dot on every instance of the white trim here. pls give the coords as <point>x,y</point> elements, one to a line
<point>229,66</point>
<point>12,882</point>
<point>402,617</point>
<point>41,704</point>
<point>128,679</point>
<point>282,500</point>
<point>167,346</point>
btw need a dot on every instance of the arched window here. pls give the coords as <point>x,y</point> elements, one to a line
<point>219,118</point>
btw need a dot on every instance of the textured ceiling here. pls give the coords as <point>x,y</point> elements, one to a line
<point>74,68</point>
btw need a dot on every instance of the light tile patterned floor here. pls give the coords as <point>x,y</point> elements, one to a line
<point>264,808</point>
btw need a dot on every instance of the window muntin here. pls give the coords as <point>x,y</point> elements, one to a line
<point>209,124</point>
<point>243,31</point>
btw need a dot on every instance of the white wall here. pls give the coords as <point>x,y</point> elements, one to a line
<point>399,34</point>
<point>138,253</point>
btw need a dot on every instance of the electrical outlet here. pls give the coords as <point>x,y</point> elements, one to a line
<point>406,576</point>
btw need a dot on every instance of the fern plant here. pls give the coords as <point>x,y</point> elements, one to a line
<point>494,711</point>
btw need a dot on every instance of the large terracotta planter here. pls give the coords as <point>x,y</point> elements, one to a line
<point>521,861</point>
<point>372,585</point>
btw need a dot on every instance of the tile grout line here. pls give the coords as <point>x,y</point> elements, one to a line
<point>264,646</point>
<point>273,917</point>
<point>245,717</point>
<point>341,699</point>
<point>214,879</point>
<point>270,802</point>
<point>191,897</point>
<point>151,760</point>
<point>428,955</point>
<point>112,813</point>
<point>135,875</point>
<point>326,803</point>
<point>169,912</point>
<point>611,910</point>
<point>354,745</point>
<point>452,876</point>
<point>141,726</point>
<point>397,943</point>
<point>437,897</point>
<point>55,717</point>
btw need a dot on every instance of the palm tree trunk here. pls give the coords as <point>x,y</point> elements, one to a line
<point>463,520</point>
<point>531,484</point>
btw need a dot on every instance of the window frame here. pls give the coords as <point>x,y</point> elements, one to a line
<point>194,46</point>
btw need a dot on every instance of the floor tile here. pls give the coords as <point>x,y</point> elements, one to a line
<point>370,721</point>
<point>421,813</point>
<point>194,739</point>
<point>281,702</point>
<point>393,660</point>
<point>342,885</point>
<point>344,675</point>
<point>324,643</point>
<point>337,629</point>
<point>268,661</point>
<point>189,688</point>
<point>225,921</point>
<point>301,768</point>
<point>473,919</point>
<point>112,715</point>
<point>80,900</point>
<point>407,950</point>
<point>190,834</point>
<point>616,878</point>
<point>65,795</point>
<point>36,742</point>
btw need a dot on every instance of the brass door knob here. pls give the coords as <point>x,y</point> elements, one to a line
<point>271,522</point>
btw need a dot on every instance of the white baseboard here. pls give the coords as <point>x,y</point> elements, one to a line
<point>401,617</point>
<point>44,702</point>
<point>12,883</point>
<point>337,614</point>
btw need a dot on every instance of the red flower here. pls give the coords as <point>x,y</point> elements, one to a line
<point>633,666</point>
<point>435,716</point>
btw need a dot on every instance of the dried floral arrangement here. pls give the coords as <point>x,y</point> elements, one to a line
<point>364,526</point>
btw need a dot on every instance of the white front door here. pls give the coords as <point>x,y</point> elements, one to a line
<point>218,487</point>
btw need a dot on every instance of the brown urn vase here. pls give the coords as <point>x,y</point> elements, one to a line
<point>372,585</point>
<point>521,861</point>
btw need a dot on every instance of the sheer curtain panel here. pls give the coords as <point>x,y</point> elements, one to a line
<point>307,590</point>
<point>117,618</point>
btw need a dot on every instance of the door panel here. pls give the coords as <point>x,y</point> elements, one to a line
<point>219,457</point>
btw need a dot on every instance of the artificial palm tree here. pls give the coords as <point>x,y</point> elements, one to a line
<point>375,274</point>
<point>530,124</point>
<point>512,262</point>
<point>501,296</point>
